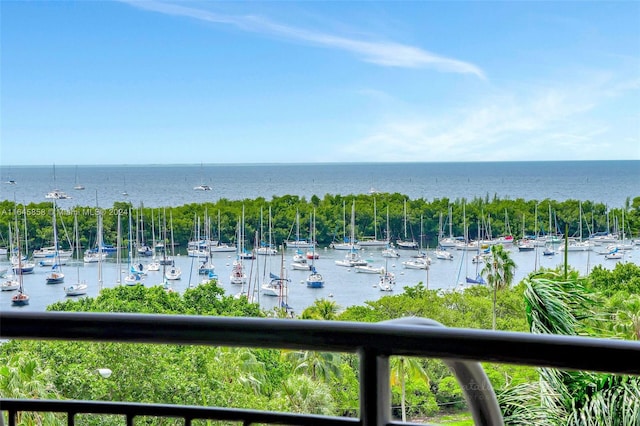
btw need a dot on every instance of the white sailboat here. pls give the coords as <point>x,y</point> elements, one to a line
<point>375,242</point>
<point>277,285</point>
<point>315,278</point>
<point>78,186</point>
<point>56,276</point>
<point>238,275</point>
<point>298,242</point>
<point>174,272</point>
<point>133,277</point>
<point>352,258</point>
<point>12,282</point>
<point>406,244</point>
<point>22,298</point>
<point>78,288</point>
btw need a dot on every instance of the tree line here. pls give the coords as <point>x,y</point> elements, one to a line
<point>414,219</point>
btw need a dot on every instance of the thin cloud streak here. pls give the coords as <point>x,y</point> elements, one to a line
<point>553,124</point>
<point>380,53</point>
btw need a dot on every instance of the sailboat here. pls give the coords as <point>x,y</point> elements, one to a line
<point>238,275</point>
<point>154,265</point>
<point>134,277</point>
<point>315,278</point>
<point>266,248</point>
<point>387,279</point>
<point>56,194</point>
<point>299,243</point>
<point>406,244</point>
<point>78,186</point>
<point>277,286</point>
<point>348,243</point>
<point>79,287</point>
<point>12,282</point>
<point>21,298</point>
<point>375,242</point>
<point>56,276</point>
<point>389,250</point>
<point>141,246</point>
<point>352,258</point>
<point>219,246</point>
<point>202,186</point>
<point>19,265</point>
<point>174,272</point>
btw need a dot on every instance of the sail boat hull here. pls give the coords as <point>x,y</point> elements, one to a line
<point>20,299</point>
<point>55,278</point>
<point>76,289</point>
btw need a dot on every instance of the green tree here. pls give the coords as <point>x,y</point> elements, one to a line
<point>322,309</point>
<point>577,397</point>
<point>499,269</point>
<point>403,368</point>
<point>22,377</point>
<point>318,365</point>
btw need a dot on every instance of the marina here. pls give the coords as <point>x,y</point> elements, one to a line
<point>344,285</point>
<point>348,278</point>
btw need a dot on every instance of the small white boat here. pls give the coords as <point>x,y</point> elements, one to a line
<point>387,281</point>
<point>76,289</point>
<point>173,273</point>
<point>10,285</point>
<point>444,255</point>
<point>94,257</point>
<point>134,279</point>
<point>613,256</point>
<point>351,259</point>
<point>390,252</point>
<point>50,261</point>
<point>266,251</point>
<point>153,266</point>
<point>417,263</point>
<point>238,275</point>
<point>202,187</point>
<point>368,269</point>
<point>57,194</point>
<point>299,262</point>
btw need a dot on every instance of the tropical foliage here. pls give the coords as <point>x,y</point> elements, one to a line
<point>327,383</point>
<point>493,215</point>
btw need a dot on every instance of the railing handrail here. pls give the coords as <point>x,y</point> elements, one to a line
<point>386,338</point>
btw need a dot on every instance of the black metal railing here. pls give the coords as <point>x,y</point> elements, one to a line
<point>461,350</point>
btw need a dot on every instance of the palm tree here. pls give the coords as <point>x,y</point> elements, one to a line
<point>626,316</point>
<point>322,309</point>
<point>403,367</point>
<point>498,270</point>
<point>558,306</point>
<point>318,365</point>
<point>21,377</point>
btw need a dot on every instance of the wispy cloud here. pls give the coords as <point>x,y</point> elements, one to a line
<point>384,53</point>
<point>545,124</point>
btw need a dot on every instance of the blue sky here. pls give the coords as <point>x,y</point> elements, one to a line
<point>126,82</point>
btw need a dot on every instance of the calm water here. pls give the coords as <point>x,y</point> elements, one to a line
<point>343,285</point>
<point>609,182</point>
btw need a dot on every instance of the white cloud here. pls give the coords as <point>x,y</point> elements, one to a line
<point>545,124</point>
<point>383,53</point>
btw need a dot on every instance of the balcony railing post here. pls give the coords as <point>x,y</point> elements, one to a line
<point>375,391</point>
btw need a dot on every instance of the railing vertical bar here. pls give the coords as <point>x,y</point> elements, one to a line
<point>12,417</point>
<point>130,419</point>
<point>375,393</point>
<point>187,421</point>
<point>71,419</point>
